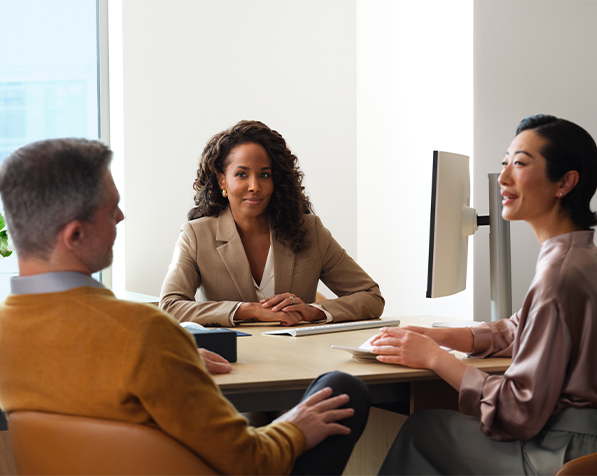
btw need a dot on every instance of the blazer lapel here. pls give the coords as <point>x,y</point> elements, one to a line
<point>283,265</point>
<point>232,252</point>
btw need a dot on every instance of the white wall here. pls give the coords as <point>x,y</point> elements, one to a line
<point>531,56</point>
<point>192,68</point>
<point>358,89</point>
<point>414,95</point>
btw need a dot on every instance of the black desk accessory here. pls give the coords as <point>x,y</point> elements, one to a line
<point>220,341</point>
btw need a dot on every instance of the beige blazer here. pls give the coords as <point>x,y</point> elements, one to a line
<point>209,256</point>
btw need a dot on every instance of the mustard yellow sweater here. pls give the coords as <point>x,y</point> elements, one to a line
<point>84,352</point>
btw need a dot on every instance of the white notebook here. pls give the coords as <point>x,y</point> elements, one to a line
<point>361,353</point>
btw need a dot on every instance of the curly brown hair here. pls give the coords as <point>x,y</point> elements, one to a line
<point>288,202</point>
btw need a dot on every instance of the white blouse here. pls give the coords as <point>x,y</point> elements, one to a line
<point>266,289</point>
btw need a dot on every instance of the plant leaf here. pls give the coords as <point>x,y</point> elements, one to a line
<point>4,251</point>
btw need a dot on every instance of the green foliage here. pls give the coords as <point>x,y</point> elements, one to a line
<point>4,251</point>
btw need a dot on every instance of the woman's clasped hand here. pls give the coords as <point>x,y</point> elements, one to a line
<point>293,305</point>
<point>285,308</point>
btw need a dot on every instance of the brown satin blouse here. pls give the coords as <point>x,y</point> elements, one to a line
<point>552,340</point>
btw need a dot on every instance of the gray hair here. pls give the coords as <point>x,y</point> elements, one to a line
<point>47,184</point>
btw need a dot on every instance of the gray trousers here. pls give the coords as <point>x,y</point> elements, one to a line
<point>448,442</point>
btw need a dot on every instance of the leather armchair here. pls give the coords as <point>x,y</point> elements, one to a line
<point>49,443</point>
<point>581,466</point>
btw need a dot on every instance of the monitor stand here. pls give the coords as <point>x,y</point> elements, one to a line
<point>499,253</point>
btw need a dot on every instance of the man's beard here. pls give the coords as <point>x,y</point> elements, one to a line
<point>99,257</point>
<point>97,263</point>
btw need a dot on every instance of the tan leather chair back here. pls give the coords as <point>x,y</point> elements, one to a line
<point>48,443</point>
<point>581,466</point>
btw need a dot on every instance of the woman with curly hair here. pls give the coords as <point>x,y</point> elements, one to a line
<point>253,247</point>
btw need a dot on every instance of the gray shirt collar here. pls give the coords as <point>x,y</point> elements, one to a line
<point>56,282</point>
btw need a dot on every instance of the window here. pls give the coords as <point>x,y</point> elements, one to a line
<point>49,83</point>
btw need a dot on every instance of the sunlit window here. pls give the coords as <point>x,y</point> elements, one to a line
<point>48,78</point>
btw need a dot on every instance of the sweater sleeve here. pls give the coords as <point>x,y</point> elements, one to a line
<point>169,379</point>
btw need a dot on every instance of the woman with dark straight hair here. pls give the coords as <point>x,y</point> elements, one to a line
<point>543,411</point>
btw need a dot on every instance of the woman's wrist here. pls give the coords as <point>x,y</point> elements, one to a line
<point>448,367</point>
<point>315,314</point>
<point>460,339</point>
<point>246,311</point>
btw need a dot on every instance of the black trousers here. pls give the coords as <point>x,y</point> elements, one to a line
<point>332,454</point>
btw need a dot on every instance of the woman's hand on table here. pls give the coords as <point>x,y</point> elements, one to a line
<point>396,345</point>
<point>457,338</point>
<point>215,363</point>
<point>255,310</point>
<point>406,346</point>
<point>289,303</point>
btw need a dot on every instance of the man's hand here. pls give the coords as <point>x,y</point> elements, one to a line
<point>215,363</point>
<point>317,416</point>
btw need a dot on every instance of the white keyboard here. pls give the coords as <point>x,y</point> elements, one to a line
<point>340,327</point>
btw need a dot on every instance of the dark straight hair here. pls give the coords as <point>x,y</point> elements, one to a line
<point>568,147</point>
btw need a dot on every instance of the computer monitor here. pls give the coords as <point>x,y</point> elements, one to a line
<point>452,221</point>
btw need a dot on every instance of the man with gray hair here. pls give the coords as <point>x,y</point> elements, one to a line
<point>67,345</point>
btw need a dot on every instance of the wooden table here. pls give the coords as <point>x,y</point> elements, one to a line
<point>273,371</point>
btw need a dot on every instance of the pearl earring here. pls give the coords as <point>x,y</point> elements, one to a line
<point>225,193</point>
